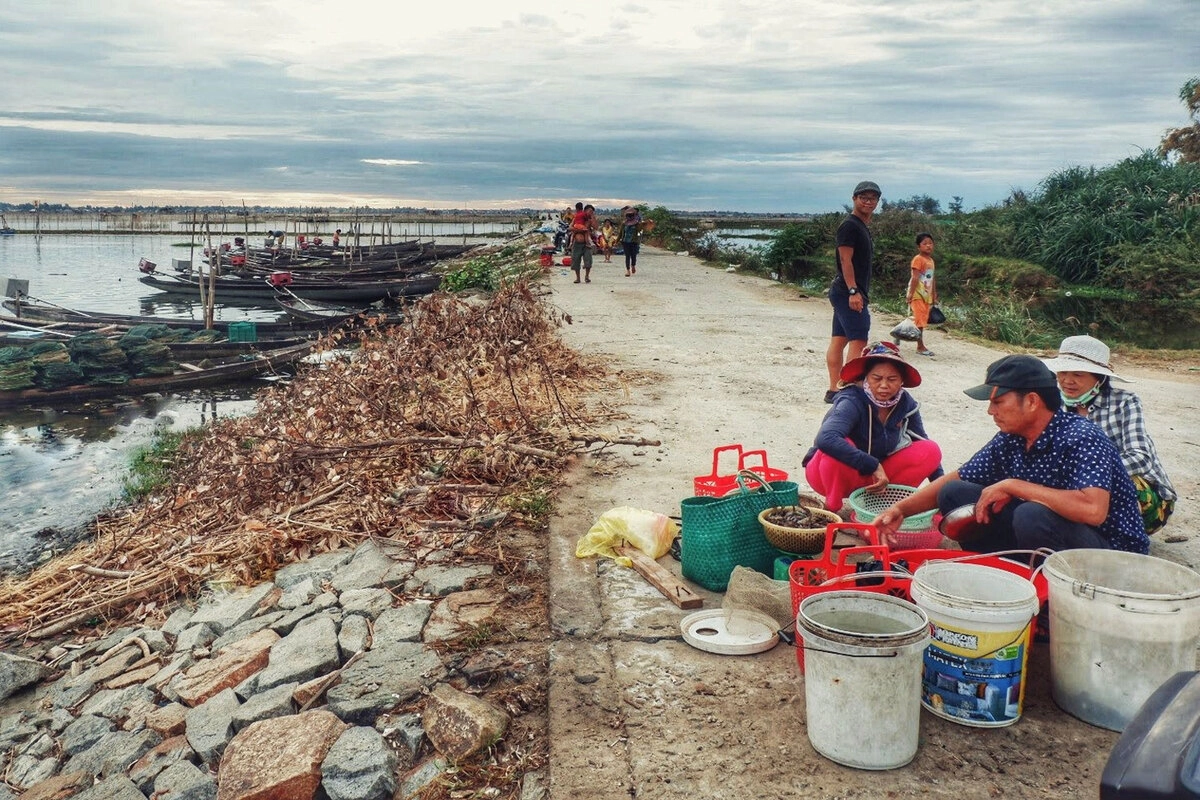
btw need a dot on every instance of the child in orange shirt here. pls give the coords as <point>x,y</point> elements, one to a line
<point>922,288</point>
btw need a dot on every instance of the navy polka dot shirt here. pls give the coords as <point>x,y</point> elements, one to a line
<point>1071,453</point>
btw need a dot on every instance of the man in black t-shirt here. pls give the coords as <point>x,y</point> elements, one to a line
<point>851,283</point>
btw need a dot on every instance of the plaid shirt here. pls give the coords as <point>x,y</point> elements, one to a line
<point>1119,415</point>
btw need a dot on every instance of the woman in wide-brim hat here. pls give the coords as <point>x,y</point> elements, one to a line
<point>873,435</point>
<point>1085,381</point>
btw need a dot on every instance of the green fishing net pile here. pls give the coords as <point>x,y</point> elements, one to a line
<point>94,358</point>
<point>53,366</point>
<point>147,357</point>
<point>16,370</point>
<point>102,360</point>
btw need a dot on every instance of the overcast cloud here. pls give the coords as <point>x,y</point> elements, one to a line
<point>740,105</point>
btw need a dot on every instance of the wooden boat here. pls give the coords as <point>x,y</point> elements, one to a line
<point>314,310</point>
<point>22,333</point>
<point>188,376</point>
<point>28,310</point>
<point>327,289</point>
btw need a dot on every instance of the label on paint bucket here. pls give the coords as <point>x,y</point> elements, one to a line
<point>975,677</point>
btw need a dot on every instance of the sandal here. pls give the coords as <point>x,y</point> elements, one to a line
<point>925,353</point>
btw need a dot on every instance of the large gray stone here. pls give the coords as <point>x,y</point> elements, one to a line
<point>113,753</point>
<point>85,732</point>
<point>421,777</point>
<point>117,787</point>
<point>179,620</point>
<point>244,629</point>
<point>16,673</point>
<point>183,781</point>
<point>308,651</point>
<point>19,727</point>
<point>194,637</point>
<point>365,570</point>
<point>300,594</point>
<point>359,766</point>
<point>33,762</point>
<point>210,725</point>
<point>385,677</point>
<point>286,623</point>
<point>353,635</point>
<point>171,751</point>
<point>224,611</point>
<point>274,702</point>
<point>318,569</point>
<point>401,623</point>
<point>115,703</point>
<point>369,603</point>
<point>439,581</point>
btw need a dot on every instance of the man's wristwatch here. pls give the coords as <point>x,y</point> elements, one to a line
<point>853,290</point>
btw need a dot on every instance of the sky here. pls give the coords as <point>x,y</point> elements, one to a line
<point>731,105</point>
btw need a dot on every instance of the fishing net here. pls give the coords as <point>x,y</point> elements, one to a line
<point>102,360</point>
<point>16,375</point>
<point>147,356</point>
<point>58,375</point>
<point>13,355</point>
<point>40,348</point>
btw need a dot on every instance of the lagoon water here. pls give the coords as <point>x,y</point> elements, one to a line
<point>58,469</point>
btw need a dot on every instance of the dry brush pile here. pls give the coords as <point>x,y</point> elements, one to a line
<point>435,433</point>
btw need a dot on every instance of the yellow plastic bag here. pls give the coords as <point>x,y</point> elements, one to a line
<point>648,531</point>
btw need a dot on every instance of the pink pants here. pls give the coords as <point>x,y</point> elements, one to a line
<point>835,480</point>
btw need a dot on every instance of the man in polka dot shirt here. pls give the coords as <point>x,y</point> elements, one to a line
<point>1047,479</point>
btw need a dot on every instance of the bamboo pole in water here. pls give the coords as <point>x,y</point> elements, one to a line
<point>192,244</point>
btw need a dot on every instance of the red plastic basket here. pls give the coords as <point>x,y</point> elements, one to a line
<point>891,574</point>
<point>717,485</point>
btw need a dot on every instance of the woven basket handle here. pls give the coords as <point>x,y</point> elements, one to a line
<point>745,476</point>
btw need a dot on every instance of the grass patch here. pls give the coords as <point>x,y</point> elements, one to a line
<point>150,467</point>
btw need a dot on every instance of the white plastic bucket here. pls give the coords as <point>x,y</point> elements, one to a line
<point>862,676</point>
<point>1120,625</point>
<point>979,641</point>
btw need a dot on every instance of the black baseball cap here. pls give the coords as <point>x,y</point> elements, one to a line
<point>1010,373</point>
<point>867,186</point>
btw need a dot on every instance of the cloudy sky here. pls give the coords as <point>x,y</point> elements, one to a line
<point>741,105</point>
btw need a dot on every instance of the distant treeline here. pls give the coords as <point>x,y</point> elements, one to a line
<point>1131,228</point>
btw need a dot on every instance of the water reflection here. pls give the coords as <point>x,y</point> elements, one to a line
<point>58,469</point>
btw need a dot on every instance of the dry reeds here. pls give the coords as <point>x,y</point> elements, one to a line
<point>424,434</point>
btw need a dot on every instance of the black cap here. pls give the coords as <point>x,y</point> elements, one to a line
<point>1013,372</point>
<point>867,186</point>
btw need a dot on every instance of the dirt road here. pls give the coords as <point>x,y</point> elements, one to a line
<point>711,358</point>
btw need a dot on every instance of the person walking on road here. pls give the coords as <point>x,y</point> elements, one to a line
<point>849,292</point>
<point>630,243</point>
<point>582,226</point>
<point>922,289</point>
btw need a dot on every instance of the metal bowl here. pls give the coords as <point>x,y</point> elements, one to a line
<point>959,524</point>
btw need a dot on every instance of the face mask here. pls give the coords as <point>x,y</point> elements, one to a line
<point>1084,399</point>
<point>882,403</point>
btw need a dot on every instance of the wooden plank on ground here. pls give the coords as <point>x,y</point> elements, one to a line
<point>662,578</point>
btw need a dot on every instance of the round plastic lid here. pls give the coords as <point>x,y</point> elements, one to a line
<point>730,632</point>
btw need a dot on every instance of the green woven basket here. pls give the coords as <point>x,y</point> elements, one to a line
<point>869,505</point>
<point>720,533</point>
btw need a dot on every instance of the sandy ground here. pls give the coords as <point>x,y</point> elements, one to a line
<point>711,358</point>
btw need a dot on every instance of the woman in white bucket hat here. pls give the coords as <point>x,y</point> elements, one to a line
<point>1085,378</point>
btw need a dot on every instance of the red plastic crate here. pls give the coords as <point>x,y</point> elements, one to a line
<point>717,485</point>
